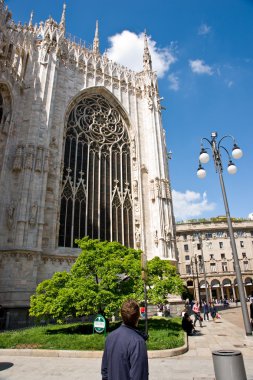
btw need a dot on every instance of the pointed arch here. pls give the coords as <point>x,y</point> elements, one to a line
<point>96,195</point>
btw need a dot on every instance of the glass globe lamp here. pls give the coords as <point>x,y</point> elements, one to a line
<point>201,173</point>
<point>204,156</point>
<point>232,169</point>
<point>237,152</point>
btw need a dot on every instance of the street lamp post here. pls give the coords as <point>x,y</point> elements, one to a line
<point>204,269</point>
<point>193,279</point>
<point>201,173</point>
<point>194,258</point>
<point>144,278</point>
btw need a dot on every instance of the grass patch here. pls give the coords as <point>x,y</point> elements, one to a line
<point>163,334</point>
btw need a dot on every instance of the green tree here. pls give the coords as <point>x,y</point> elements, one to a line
<point>103,276</point>
<point>162,279</point>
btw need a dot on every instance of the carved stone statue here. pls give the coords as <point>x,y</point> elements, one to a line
<point>167,233</point>
<point>152,190</point>
<point>33,213</point>
<point>10,215</point>
<point>138,236</point>
<point>135,188</point>
<point>156,237</point>
<point>38,163</point>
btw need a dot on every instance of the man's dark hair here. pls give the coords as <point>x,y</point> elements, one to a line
<point>130,312</point>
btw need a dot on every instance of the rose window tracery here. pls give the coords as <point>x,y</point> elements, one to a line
<point>96,198</point>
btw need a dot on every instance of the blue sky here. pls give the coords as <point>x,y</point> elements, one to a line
<point>202,52</point>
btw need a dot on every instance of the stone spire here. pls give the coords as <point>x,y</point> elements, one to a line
<point>147,62</point>
<point>63,17</point>
<point>96,41</point>
<point>31,19</point>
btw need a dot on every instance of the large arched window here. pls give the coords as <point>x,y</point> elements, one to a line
<point>96,185</point>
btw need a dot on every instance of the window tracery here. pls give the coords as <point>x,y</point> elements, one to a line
<point>96,199</point>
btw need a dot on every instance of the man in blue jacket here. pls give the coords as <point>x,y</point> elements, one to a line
<point>125,355</point>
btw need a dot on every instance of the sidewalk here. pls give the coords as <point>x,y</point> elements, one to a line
<point>196,364</point>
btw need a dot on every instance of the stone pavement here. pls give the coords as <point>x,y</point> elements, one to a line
<point>196,364</point>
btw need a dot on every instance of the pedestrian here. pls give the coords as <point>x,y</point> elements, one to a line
<point>213,311</point>
<point>197,316</point>
<point>206,311</point>
<point>187,324</point>
<point>125,355</point>
<point>251,312</point>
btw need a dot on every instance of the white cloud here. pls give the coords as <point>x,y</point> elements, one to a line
<point>229,83</point>
<point>204,29</point>
<point>190,204</point>
<point>174,82</point>
<point>198,66</point>
<point>127,49</point>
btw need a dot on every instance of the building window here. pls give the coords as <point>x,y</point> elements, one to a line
<point>224,267</point>
<point>211,256</point>
<point>209,235</point>
<point>96,198</point>
<point>242,244</point>
<point>213,267</point>
<point>198,246</point>
<point>251,233</point>
<point>187,257</point>
<point>219,233</point>
<point>185,237</point>
<point>243,255</point>
<point>188,269</point>
<point>201,266</point>
<point>186,248</point>
<point>222,255</point>
<point>246,265</point>
<point>220,244</point>
<point>240,233</point>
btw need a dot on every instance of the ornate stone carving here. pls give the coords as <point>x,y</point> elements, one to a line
<point>10,211</point>
<point>150,103</point>
<point>29,157</point>
<point>39,158</point>
<point>163,189</point>
<point>168,189</point>
<point>18,159</point>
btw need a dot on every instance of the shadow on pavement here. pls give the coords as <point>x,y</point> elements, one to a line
<point>5,365</point>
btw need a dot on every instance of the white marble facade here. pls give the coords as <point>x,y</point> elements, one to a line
<point>43,76</point>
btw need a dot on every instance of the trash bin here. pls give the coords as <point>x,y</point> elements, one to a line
<point>228,364</point>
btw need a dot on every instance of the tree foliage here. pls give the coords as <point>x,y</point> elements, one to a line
<point>103,276</point>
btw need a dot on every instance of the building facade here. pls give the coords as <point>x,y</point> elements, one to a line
<point>205,257</point>
<point>82,153</point>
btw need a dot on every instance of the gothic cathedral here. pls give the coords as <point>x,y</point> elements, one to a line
<point>82,152</point>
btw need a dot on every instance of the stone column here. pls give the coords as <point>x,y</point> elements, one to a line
<point>233,289</point>
<point>222,292</point>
